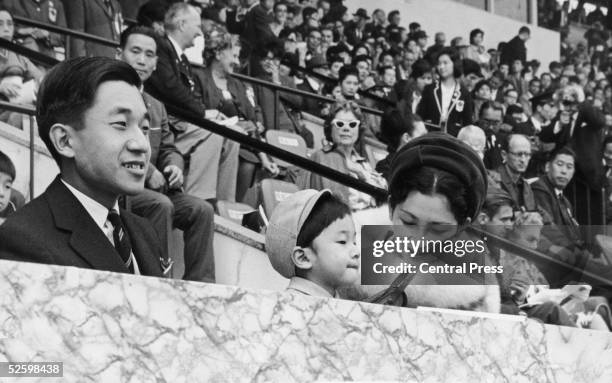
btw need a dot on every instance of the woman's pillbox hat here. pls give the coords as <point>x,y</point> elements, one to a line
<point>444,152</point>
<point>285,224</point>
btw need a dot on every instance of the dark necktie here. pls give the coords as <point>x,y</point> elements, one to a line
<point>109,6</point>
<point>121,239</point>
<point>187,70</point>
<point>566,215</point>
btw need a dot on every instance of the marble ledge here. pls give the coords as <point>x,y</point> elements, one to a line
<point>111,327</point>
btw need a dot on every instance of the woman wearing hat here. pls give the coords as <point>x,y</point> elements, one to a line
<point>437,186</point>
<point>447,103</point>
<point>343,129</point>
<point>230,96</point>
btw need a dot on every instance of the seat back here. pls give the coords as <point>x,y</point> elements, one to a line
<point>274,191</point>
<point>291,142</point>
<point>233,210</point>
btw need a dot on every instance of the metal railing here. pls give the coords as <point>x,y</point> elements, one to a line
<point>274,151</point>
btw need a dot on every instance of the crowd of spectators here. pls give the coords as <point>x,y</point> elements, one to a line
<point>525,132</point>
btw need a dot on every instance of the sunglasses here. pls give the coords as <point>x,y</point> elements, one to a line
<point>351,124</point>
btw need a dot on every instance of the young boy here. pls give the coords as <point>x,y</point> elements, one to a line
<point>311,240</point>
<point>7,176</point>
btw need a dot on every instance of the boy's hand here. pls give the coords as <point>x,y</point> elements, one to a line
<point>10,90</point>
<point>174,175</point>
<point>156,181</point>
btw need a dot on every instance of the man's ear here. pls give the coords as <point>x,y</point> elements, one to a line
<point>547,166</point>
<point>482,219</point>
<point>118,53</point>
<point>301,258</point>
<point>61,137</point>
<point>504,155</point>
<point>405,138</point>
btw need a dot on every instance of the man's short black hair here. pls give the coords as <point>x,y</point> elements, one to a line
<point>554,64</point>
<point>419,68</point>
<point>361,58</point>
<point>564,150</point>
<point>328,209</point>
<point>69,89</point>
<point>6,166</point>
<point>524,30</point>
<point>136,30</point>
<point>490,105</point>
<point>392,14</point>
<point>382,69</point>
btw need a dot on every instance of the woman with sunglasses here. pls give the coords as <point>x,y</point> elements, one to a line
<point>342,131</point>
<point>447,103</point>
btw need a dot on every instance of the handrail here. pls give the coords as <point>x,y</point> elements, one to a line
<point>66,31</point>
<point>35,56</point>
<point>17,108</point>
<point>298,92</point>
<point>536,256</point>
<point>114,44</point>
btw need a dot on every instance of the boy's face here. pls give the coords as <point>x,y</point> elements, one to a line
<point>6,182</point>
<point>334,255</point>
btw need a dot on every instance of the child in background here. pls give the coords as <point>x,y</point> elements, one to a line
<point>311,240</point>
<point>7,176</point>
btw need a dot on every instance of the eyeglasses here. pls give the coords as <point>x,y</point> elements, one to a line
<point>521,154</point>
<point>351,124</point>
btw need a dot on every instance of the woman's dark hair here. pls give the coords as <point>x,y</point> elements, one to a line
<point>328,209</point>
<point>479,85</point>
<point>474,33</point>
<point>347,106</point>
<point>455,58</point>
<point>419,68</point>
<point>347,70</point>
<point>360,45</point>
<point>69,89</point>
<point>428,181</point>
<point>6,165</point>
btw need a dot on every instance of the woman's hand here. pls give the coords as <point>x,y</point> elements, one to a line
<point>269,166</point>
<point>10,90</point>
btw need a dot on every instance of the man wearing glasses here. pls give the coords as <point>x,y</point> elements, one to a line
<point>516,153</point>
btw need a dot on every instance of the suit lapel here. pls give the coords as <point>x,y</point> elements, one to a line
<point>438,96</point>
<point>87,240</point>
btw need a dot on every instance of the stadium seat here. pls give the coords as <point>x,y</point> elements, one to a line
<point>374,150</point>
<point>274,191</point>
<point>233,210</point>
<point>291,142</point>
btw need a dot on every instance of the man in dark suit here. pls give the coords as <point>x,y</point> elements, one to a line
<point>257,30</point>
<point>94,122</point>
<point>163,201</point>
<point>490,119</point>
<point>356,32</point>
<point>515,49</point>
<point>516,152</point>
<point>213,159</point>
<point>544,110</point>
<point>98,17</point>
<point>548,191</point>
<point>580,126</point>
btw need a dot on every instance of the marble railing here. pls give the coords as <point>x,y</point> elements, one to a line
<point>108,327</point>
